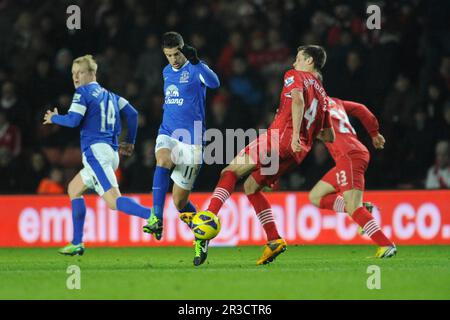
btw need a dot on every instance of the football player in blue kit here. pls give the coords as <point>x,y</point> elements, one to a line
<point>179,145</point>
<point>97,111</point>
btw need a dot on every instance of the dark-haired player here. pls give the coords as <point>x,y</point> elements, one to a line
<point>301,115</point>
<point>180,137</point>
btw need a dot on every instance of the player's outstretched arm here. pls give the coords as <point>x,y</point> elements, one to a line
<point>210,78</point>
<point>131,115</point>
<point>367,118</point>
<point>369,121</point>
<point>71,120</point>
<point>378,141</point>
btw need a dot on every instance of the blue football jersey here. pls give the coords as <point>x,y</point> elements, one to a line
<point>101,115</point>
<point>185,100</point>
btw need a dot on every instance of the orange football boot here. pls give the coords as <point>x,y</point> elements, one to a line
<point>271,250</point>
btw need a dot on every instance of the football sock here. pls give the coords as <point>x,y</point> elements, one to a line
<point>264,214</point>
<point>129,206</point>
<point>363,217</point>
<point>189,207</point>
<point>333,201</point>
<point>222,192</point>
<point>78,216</point>
<point>160,186</point>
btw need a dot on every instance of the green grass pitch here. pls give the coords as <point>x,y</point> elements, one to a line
<point>302,272</point>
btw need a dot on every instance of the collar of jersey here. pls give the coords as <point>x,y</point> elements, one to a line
<point>176,70</point>
<point>92,82</point>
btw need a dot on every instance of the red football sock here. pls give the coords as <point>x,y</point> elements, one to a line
<point>363,217</point>
<point>222,192</point>
<point>264,214</point>
<point>333,201</point>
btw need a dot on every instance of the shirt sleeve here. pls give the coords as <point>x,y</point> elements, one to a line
<point>208,77</point>
<point>71,120</point>
<point>131,115</point>
<point>79,102</point>
<point>122,103</point>
<point>367,118</point>
<point>293,80</point>
<point>76,111</point>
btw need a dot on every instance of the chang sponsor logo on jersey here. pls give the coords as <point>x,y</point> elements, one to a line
<point>172,95</point>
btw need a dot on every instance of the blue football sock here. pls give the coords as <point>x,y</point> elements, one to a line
<point>160,186</point>
<point>129,206</point>
<point>78,216</point>
<point>188,208</point>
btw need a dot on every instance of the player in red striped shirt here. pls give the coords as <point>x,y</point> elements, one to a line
<point>301,115</point>
<point>341,189</point>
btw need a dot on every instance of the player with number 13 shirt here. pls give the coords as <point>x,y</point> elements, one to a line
<point>341,189</point>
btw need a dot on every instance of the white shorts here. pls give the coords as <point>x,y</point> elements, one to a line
<point>100,163</point>
<point>186,157</point>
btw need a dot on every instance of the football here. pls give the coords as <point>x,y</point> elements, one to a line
<point>205,225</point>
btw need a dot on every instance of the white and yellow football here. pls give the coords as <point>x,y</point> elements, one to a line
<point>205,225</point>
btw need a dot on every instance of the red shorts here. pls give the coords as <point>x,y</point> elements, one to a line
<point>348,173</point>
<point>268,171</point>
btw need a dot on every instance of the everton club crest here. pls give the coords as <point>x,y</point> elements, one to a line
<point>184,78</point>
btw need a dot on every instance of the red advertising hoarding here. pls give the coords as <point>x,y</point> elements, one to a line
<point>408,217</point>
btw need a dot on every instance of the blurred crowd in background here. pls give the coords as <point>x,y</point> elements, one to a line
<point>401,72</point>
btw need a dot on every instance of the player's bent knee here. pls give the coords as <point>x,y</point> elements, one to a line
<point>250,186</point>
<point>73,191</point>
<point>314,199</point>
<point>111,197</point>
<point>164,162</point>
<point>353,200</point>
<point>112,205</point>
<point>180,203</point>
<point>70,190</point>
<point>247,187</point>
<point>350,207</point>
<point>111,202</point>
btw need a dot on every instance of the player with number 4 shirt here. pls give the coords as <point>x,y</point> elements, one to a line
<point>341,189</point>
<point>301,116</point>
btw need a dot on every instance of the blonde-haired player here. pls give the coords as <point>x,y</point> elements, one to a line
<point>97,111</point>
